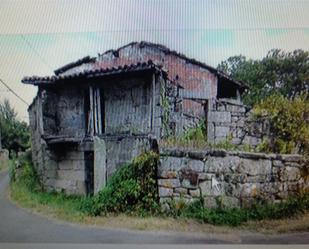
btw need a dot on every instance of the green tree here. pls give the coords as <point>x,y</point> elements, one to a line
<point>15,135</point>
<point>281,72</point>
<point>289,123</point>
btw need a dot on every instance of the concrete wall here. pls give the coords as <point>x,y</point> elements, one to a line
<point>235,178</point>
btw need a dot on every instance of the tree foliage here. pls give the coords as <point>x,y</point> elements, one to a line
<point>15,135</point>
<point>289,123</point>
<point>281,72</point>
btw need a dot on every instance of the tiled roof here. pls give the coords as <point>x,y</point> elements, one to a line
<point>166,50</point>
<point>87,74</point>
<point>35,80</point>
<point>79,62</point>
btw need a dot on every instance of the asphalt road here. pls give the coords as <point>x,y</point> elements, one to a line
<point>19,225</point>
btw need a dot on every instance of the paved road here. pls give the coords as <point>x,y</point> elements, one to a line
<point>19,225</point>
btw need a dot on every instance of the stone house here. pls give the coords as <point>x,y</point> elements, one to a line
<point>95,114</point>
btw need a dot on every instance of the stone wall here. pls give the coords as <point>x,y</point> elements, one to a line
<point>38,145</point>
<point>226,117</point>
<point>235,179</point>
<point>64,170</point>
<point>229,118</point>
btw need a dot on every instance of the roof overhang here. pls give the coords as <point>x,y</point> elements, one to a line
<point>94,74</point>
<point>238,84</point>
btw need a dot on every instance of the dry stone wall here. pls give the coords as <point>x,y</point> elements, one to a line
<point>235,179</point>
<point>229,118</point>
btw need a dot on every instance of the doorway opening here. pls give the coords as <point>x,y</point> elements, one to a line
<point>89,172</point>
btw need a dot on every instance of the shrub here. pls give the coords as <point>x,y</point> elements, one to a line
<point>289,124</point>
<point>23,173</point>
<point>132,188</point>
<point>194,137</point>
<point>197,133</point>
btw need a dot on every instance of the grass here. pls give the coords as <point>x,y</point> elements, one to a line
<point>5,165</point>
<point>200,142</point>
<point>61,207</point>
<point>54,204</point>
<point>237,216</point>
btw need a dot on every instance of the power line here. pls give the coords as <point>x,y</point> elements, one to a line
<point>11,90</point>
<point>35,51</point>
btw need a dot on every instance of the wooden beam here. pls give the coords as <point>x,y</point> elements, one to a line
<point>95,117</point>
<point>153,101</point>
<point>91,111</point>
<point>99,111</point>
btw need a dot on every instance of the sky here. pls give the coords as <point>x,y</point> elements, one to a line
<point>37,37</point>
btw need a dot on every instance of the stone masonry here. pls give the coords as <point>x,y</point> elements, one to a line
<point>230,118</point>
<point>234,179</point>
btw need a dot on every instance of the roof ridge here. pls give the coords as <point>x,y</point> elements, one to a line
<point>70,65</point>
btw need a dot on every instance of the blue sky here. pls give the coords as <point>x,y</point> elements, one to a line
<point>39,36</point>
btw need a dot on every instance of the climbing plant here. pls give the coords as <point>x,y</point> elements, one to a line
<point>166,111</point>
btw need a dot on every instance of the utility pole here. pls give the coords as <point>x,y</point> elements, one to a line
<point>0,141</point>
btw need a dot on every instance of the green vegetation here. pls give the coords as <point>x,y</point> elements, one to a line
<point>195,137</point>
<point>5,164</point>
<point>166,111</point>
<point>280,72</point>
<point>237,216</point>
<point>26,190</point>
<point>15,135</point>
<point>132,189</point>
<point>289,123</point>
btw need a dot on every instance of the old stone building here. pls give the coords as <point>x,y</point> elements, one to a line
<point>95,114</point>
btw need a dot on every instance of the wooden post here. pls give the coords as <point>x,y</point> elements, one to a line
<point>99,111</point>
<point>95,112</point>
<point>39,114</point>
<point>91,110</point>
<point>153,101</point>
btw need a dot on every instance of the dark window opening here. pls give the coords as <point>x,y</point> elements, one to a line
<point>227,90</point>
<point>89,172</point>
